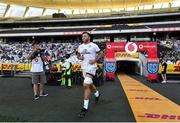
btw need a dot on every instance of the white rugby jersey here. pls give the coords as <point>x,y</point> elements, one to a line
<point>89,51</point>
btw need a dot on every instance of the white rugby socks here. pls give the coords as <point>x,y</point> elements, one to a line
<point>96,93</point>
<point>86,103</point>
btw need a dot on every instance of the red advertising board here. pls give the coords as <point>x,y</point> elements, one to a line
<point>132,47</point>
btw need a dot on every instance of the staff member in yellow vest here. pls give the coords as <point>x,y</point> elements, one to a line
<point>67,75</point>
<point>163,73</point>
<point>37,69</point>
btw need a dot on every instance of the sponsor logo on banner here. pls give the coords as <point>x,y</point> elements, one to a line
<point>150,46</point>
<point>160,116</point>
<point>131,47</point>
<point>110,67</point>
<point>76,67</point>
<point>140,90</point>
<point>141,46</point>
<point>108,46</point>
<point>9,66</point>
<point>126,55</point>
<point>147,98</point>
<point>171,68</point>
<point>176,68</point>
<point>152,67</point>
<point>17,67</point>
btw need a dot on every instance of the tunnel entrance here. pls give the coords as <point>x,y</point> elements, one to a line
<point>128,51</point>
<point>129,67</point>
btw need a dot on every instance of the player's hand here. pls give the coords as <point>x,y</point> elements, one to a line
<point>92,61</point>
<point>34,50</point>
<point>81,57</point>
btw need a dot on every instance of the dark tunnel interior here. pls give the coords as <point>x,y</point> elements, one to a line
<point>126,67</point>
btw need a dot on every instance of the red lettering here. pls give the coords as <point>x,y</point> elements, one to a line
<point>137,90</point>
<point>138,97</point>
<point>117,54</point>
<point>9,66</point>
<point>147,98</point>
<point>124,55</point>
<point>157,99</point>
<point>176,68</point>
<point>168,117</point>
<point>159,116</point>
<point>152,115</point>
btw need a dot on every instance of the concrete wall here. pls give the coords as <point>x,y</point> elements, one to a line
<point>143,60</point>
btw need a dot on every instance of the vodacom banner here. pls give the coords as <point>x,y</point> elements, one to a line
<point>150,48</point>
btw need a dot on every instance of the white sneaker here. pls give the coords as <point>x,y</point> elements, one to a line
<point>163,82</point>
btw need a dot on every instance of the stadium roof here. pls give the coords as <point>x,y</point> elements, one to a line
<point>26,8</point>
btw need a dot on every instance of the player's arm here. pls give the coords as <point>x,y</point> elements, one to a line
<point>99,56</point>
<point>31,55</point>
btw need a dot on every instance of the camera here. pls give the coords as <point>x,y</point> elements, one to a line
<point>38,52</point>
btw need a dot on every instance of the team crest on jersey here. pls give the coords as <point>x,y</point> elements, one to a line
<point>152,67</point>
<point>110,67</point>
<point>85,51</point>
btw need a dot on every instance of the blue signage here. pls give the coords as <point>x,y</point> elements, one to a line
<point>110,67</point>
<point>152,67</point>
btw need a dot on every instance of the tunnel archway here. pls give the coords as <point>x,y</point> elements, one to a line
<point>129,66</point>
<point>150,64</point>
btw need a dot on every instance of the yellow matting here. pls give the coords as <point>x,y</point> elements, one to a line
<point>148,105</point>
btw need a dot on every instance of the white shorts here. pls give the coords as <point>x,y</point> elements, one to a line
<point>88,80</point>
<point>90,70</point>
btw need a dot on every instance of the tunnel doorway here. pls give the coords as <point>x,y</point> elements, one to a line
<point>129,67</point>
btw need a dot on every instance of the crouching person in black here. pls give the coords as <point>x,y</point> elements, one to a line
<point>98,79</point>
<point>38,74</point>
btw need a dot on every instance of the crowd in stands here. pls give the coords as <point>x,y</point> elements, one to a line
<point>171,56</point>
<point>15,52</point>
<point>169,50</point>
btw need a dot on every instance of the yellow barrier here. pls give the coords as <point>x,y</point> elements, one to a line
<point>27,67</point>
<point>17,67</point>
<point>171,69</point>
